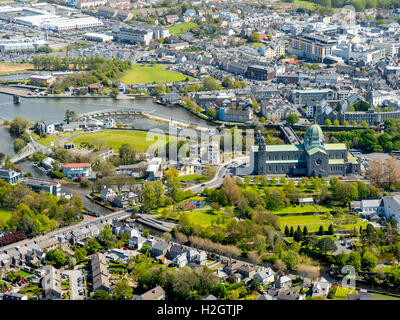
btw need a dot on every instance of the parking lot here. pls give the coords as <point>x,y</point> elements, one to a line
<point>76,283</point>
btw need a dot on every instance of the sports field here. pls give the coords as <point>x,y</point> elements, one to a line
<point>180,28</point>
<point>14,67</point>
<point>5,214</point>
<point>150,74</point>
<point>115,138</point>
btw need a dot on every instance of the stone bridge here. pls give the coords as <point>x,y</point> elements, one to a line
<point>111,112</point>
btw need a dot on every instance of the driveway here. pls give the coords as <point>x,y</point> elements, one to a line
<point>73,283</point>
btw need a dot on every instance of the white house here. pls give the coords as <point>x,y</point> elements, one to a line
<point>47,127</point>
<point>107,193</point>
<point>109,123</point>
<point>321,288</point>
<point>264,276</point>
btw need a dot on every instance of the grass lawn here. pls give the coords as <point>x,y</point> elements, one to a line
<point>377,296</point>
<point>302,209</point>
<point>5,214</point>
<point>23,273</point>
<point>15,67</point>
<point>150,74</point>
<point>67,134</point>
<point>193,177</point>
<point>180,28</point>
<point>47,140</point>
<point>258,44</point>
<point>341,293</point>
<point>313,222</point>
<point>115,138</point>
<point>205,218</point>
<point>307,4</point>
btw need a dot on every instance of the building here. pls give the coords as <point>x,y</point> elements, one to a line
<point>17,44</point>
<point>391,207</point>
<point>321,288</point>
<point>311,158</point>
<point>99,37</point>
<point>208,153</point>
<point>283,282</point>
<point>232,115</point>
<point>100,274</point>
<point>38,185</point>
<point>9,176</point>
<point>47,127</point>
<point>73,170</point>
<point>306,97</point>
<point>88,4</point>
<point>265,276</point>
<point>312,46</point>
<point>14,296</point>
<point>51,283</point>
<point>132,34</point>
<point>260,73</point>
<point>38,79</point>
<point>156,293</point>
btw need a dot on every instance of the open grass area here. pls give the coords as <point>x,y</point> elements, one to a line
<point>341,293</point>
<point>15,67</point>
<point>115,138</point>
<point>180,28</point>
<point>378,296</point>
<point>302,209</point>
<point>47,140</point>
<point>67,134</point>
<point>23,273</point>
<point>5,214</point>
<point>258,44</point>
<point>150,74</point>
<point>192,177</point>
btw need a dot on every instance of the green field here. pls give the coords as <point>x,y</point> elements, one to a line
<point>151,74</point>
<point>205,218</point>
<point>302,209</point>
<point>377,296</point>
<point>5,214</point>
<point>67,134</point>
<point>47,140</point>
<point>115,138</point>
<point>180,28</point>
<point>192,177</point>
<point>302,3</point>
<point>341,293</point>
<point>258,44</point>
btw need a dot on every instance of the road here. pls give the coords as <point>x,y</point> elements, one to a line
<point>74,285</point>
<point>219,175</point>
<point>75,227</point>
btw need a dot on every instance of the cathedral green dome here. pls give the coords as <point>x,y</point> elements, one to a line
<point>314,138</point>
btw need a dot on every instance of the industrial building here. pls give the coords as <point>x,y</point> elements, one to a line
<point>38,185</point>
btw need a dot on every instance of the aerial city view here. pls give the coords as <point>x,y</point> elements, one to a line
<point>209,150</point>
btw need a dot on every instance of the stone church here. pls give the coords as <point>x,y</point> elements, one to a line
<point>311,158</point>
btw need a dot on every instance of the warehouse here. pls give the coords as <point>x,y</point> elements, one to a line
<point>100,37</point>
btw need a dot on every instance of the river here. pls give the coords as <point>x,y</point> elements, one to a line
<point>53,110</point>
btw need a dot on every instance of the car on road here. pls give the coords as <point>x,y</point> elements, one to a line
<point>203,185</point>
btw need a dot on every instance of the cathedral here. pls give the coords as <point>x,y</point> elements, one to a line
<point>312,158</point>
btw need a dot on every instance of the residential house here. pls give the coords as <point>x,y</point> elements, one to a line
<point>100,274</point>
<point>9,176</point>
<point>47,127</point>
<point>156,293</point>
<point>174,251</point>
<point>160,248</point>
<point>283,282</point>
<point>51,283</point>
<point>136,242</point>
<point>264,276</point>
<point>321,288</point>
<point>73,170</point>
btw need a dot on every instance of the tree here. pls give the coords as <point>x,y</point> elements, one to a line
<point>122,290</point>
<point>291,259</point>
<point>321,231</point>
<point>209,83</point>
<point>212,113</point>
<point>254,37</point>
<point>106,237</point>
<point>159,89</point>
<point>330,229</point>
<point>57,257</point>
<point>305,231</point>
<point>345,123</point>
<point>127,154</point>
<point>328,122</point>
<point>336,123</point>
<point>231,189</point>
<point>364,124</point>
<point>18,126</point>
<point>368,261</point>
<point>100,295</point>
<point>227,83</point>
<point>326,244</point>
<point>70,115</point>
<point>292,118</point>
<point>291,233</point>
<point>287,232</point>
<point>354,260</point>
<point>355,124</point>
